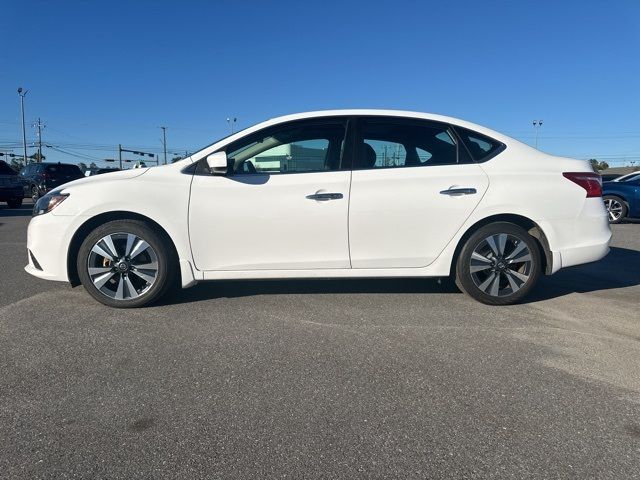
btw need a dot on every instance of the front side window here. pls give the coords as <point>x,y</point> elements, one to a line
<point>294,148</point>
<point>396,143</point>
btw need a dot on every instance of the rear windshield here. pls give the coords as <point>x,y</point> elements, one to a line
<point>64,169</point>
<point>6,169</point>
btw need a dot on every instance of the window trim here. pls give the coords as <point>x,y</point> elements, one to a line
<point>420,122</point>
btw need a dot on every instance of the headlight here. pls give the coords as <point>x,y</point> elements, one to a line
<point>48,202</point>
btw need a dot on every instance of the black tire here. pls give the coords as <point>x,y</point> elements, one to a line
<point>165,275</point>
<point>511,288</point>
<point>14,203</point>
<point>35,193</point>
<point>616,208</point>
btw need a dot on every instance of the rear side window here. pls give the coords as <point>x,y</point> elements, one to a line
<point>392,143</point>
<point>481,147</point>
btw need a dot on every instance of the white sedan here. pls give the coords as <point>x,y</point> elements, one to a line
<point>332,194</point>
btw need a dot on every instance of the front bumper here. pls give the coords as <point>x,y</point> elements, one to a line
<point>48,239</point>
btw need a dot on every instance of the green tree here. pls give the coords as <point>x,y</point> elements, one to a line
<point>82,166</point>
<point>598,166</point>
<point>16,164</point>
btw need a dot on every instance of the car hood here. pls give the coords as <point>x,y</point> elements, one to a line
<point>103,178</point>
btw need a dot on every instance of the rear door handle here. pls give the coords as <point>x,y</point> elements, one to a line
<point>323,197</point>
<point>459,191</point>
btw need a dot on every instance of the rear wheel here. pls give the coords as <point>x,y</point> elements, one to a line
<point>499,264</point>
<point>14,203</point>
<point>126,263</point>
<point>616,208</point>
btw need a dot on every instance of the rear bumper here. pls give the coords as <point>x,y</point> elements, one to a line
<point>579,240</point>
<point>580,255</point>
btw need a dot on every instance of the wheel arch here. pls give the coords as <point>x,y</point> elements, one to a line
<point>92,223</point>
<point>619,195</point>
<point>529,225</point>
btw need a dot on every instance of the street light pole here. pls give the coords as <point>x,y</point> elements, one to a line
<point>231,122</point>
<point>537,124</point>
<point>120,155</point>
<point>22,93</point>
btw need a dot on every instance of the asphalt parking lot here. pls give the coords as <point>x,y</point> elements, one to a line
<point>322,379</point>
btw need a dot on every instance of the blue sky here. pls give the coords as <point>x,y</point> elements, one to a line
<point>103,73</point>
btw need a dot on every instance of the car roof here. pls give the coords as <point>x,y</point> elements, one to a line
<point>353,112</point>
<point>385,113</point>
<point>57,163</point>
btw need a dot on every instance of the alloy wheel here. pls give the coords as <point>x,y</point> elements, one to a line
<point>122,266</point>
<point>614,209</point>
<point>501,264</point>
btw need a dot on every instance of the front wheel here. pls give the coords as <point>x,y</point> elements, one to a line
<point>616,208</point>
<point>499,264</point>
<point>35,194</point>
<point>126,263</point>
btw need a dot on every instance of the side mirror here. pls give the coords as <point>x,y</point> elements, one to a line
<point>217,163</point>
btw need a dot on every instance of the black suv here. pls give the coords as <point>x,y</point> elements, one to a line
<point>10,186</point>
<point>39,178</point>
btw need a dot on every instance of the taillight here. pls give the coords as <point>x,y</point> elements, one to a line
<point>591,182</point>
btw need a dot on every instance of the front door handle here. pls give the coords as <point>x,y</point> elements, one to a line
<point>459,191</point>
<point>323,197</point>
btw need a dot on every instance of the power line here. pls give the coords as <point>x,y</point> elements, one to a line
<point>77,155</point>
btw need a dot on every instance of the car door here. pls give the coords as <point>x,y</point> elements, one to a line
<point>634,197</point>
<point>283,203</point>
<point>413,186</point>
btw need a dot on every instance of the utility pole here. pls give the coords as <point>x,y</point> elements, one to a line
<point>537,124</point>
<point>39,126</point>
<point>22,93</point>
<point>120,155</point>
<point>164,143</point>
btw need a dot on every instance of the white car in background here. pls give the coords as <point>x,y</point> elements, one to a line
<point>332,194</point>
<point>627,177</point>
